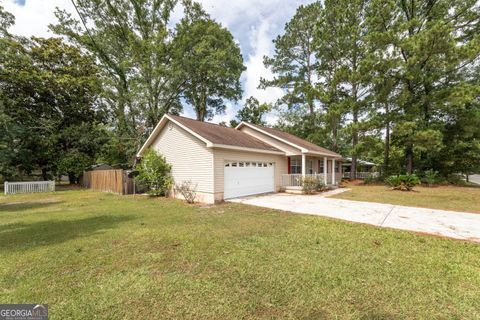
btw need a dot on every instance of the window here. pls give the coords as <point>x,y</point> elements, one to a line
<point>320,166</point>
<point>295,166</point>
<point>309,166</point>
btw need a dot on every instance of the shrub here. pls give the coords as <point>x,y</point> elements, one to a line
<point>456,179</point>
<point>311,184</point>
<point>431,177</point>
<point>154,173</point>
<point>188,191</point>
<point>372,180</point>
<point>403,182</point>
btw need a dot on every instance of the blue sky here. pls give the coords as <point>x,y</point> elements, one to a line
<point>253,23</point>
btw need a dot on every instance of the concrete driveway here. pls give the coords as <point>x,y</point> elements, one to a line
<point>458,225</point>
<point>474,178</point>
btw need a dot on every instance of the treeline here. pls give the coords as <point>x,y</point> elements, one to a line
<point>394,82</point>
<point>96,95</point>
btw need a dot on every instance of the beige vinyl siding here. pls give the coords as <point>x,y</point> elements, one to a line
<point>220,156</point>
<point>288,149</point>
<point>189,156</point>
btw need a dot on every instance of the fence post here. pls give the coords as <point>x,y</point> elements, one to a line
<point>5,187</point>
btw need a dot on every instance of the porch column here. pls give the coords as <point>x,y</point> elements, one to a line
<point>333,171</point>
<point>325,171</point>
<point>304,164</point>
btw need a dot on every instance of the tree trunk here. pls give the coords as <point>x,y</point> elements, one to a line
<point>409,156</point>
<point>353,168</point>
<point>334,138</point>
<point>386,155</point>
<point>44,174</point>
<point>72,178</point>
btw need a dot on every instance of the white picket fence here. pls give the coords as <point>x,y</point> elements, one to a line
<point>28,187</point>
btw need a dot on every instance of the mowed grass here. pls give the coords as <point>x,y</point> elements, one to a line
<point>454,198</point>
<point>101,256</point>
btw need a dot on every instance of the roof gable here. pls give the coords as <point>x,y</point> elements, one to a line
<point>212,135</point>
<point>302,144</point>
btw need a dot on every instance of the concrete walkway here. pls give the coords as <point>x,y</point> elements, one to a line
<point>458,225</point>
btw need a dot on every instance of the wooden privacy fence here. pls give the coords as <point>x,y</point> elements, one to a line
<point>28,187</point>
<point>115,181</point>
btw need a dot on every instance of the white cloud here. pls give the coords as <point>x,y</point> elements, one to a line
<point>33,18</point>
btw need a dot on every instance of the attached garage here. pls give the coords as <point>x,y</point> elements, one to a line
<point>243,178</point>
<point>225,163</point>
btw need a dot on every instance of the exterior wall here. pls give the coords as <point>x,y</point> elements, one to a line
<point>288,149</point>
<point>190,159</point>
<point>220,156</point>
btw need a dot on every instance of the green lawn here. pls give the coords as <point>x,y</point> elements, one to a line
<point>443,197</point>
<point>93,255</point>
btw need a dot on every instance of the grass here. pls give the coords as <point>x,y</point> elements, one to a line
<point>101,256</point>
<point>442,197</point>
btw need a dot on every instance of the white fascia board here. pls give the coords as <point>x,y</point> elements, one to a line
<point>225,146</point>
<point>159,127</point>
<point>303,150</point>
<point>152,136</point>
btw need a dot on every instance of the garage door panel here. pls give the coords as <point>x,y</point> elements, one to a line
<point>242,180</point>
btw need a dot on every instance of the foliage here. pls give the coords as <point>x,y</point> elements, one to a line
<point>431,177</point>
<point>455,179</point>
<point>252,112</point>
<point>294,62</point>
<point>49,106</point>
<point>404,182</point>
<point>154,172</point>
<point>73,164</point>
<point>311,184</point>
<point>372,180</point>
<point>397,81</point>
<point>130,40</point>
<point>187,190</point>
<point>209,64</point>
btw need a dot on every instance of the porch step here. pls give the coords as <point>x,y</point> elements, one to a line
<point>294,190</point>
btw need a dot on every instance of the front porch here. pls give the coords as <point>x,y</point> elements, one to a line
<point>327,170</point>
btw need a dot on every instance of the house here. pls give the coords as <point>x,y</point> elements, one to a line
<point>232,162</point>
<point>365,169</point>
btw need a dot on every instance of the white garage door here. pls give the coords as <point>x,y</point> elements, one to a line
<point>243,178</point>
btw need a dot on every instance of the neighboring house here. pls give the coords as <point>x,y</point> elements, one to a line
<point>232,162</point>
<point>362,165</point>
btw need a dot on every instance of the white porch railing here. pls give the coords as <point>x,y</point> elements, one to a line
<point>363,175</point>
<point>29,187</point>
<point>295,180</point>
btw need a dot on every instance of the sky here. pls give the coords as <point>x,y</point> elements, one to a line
<point>253,23</point>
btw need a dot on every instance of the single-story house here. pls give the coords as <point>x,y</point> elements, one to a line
<point>232,162</point>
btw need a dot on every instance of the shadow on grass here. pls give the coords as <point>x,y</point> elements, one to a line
<point>22,236</point>
<point>26,205</point>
